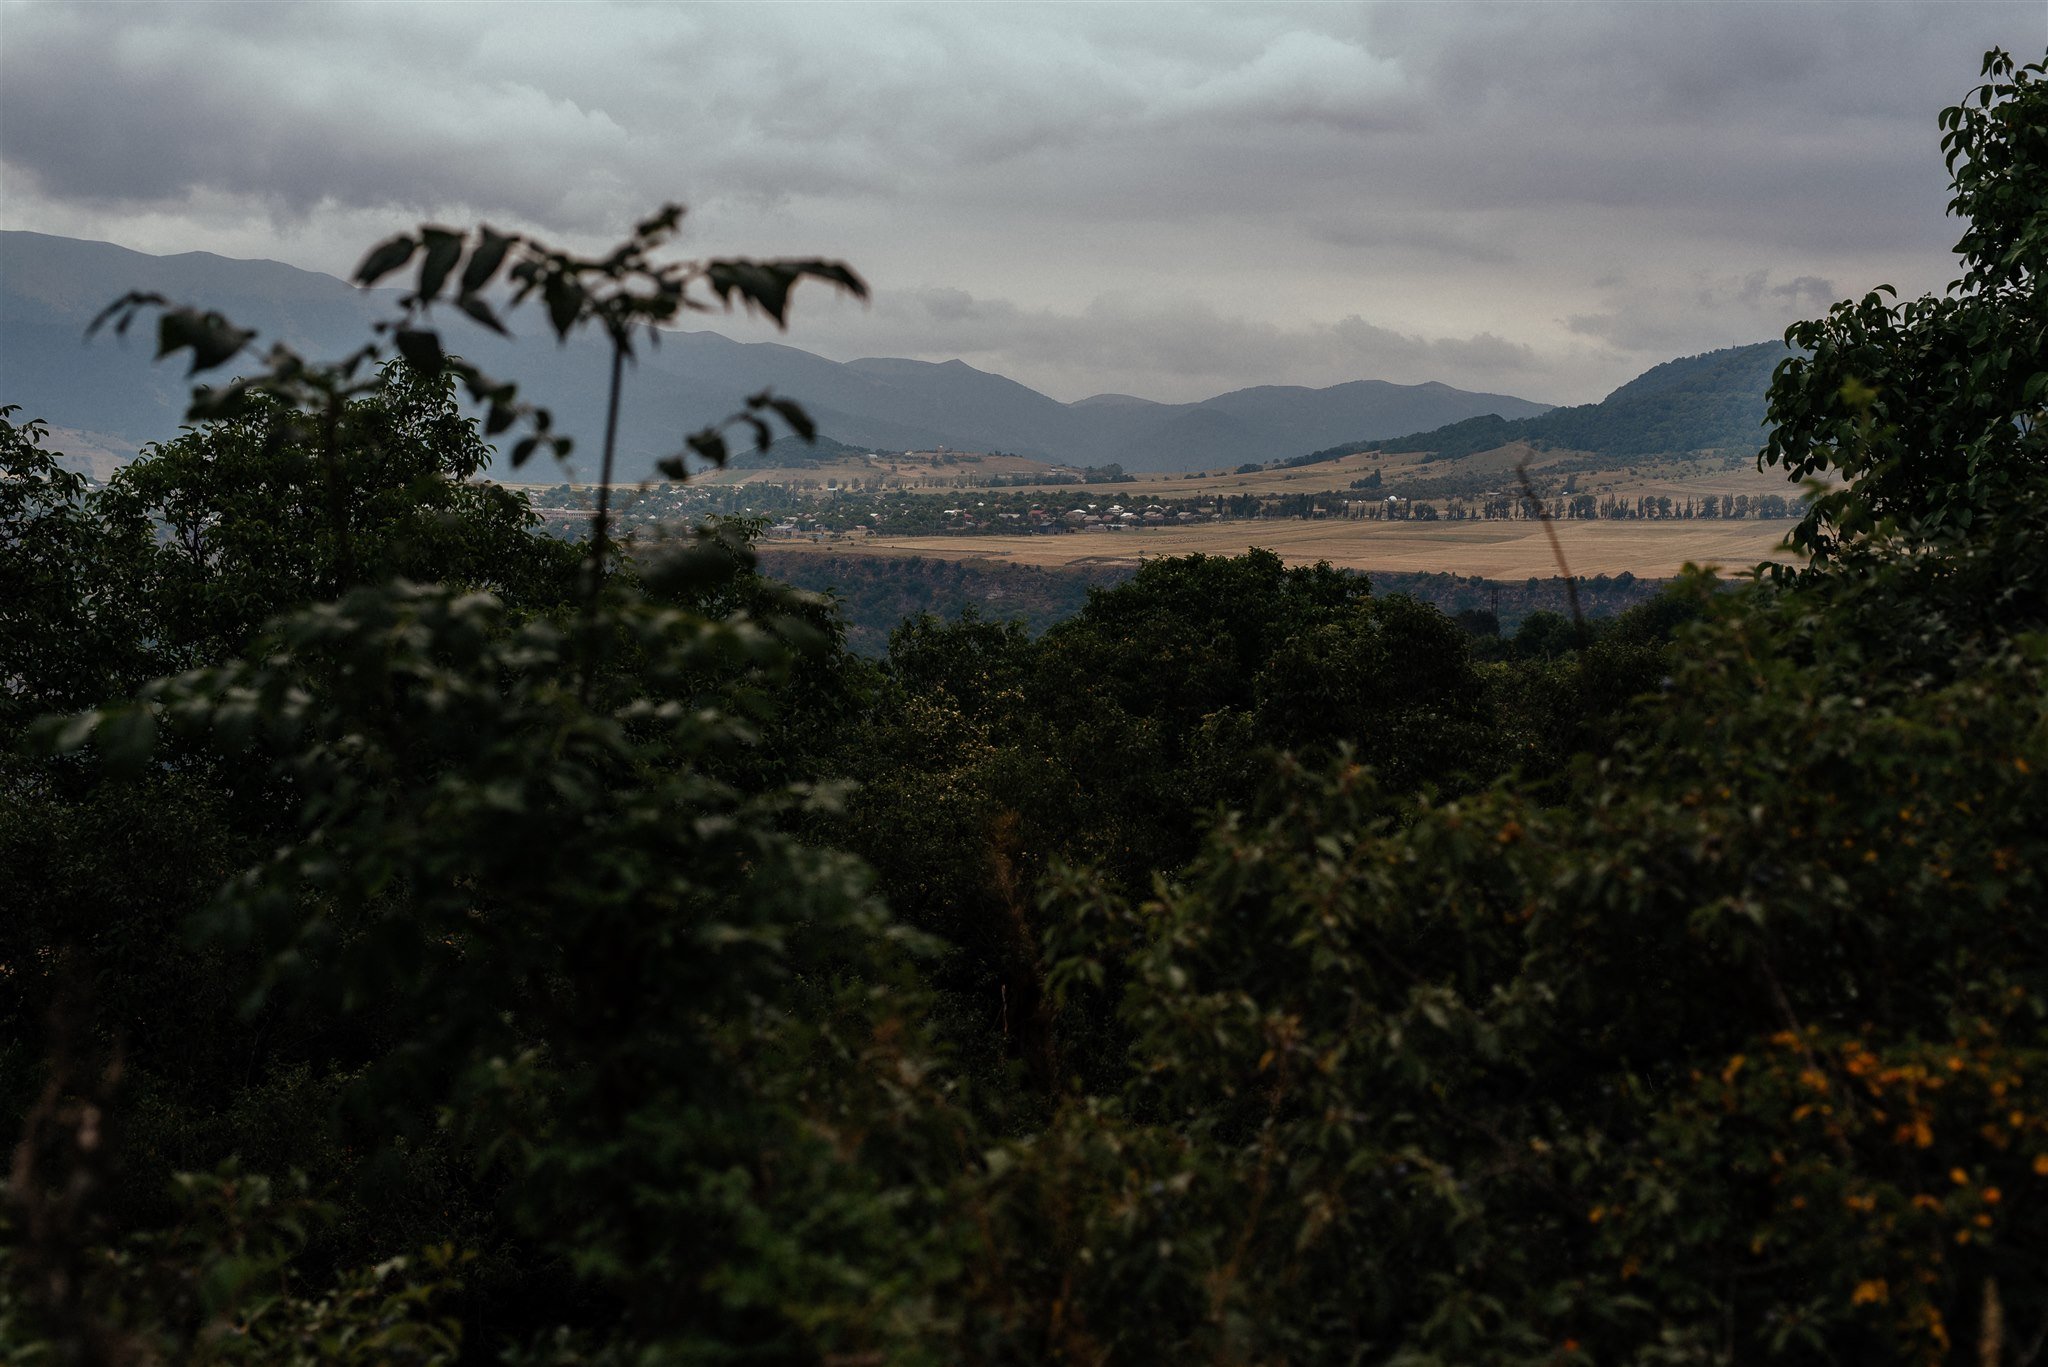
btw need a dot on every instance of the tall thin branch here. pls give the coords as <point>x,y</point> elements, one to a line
<point>600,526</point>
<point>1571,583</point>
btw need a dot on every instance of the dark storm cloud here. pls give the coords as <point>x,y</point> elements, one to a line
<point>1179,197</point>
<point>115,106</point>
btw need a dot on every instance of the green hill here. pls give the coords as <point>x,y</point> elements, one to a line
<point>1713,401</point>
<point>791,452</point>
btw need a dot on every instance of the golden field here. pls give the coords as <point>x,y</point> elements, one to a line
<point>1492,550</point>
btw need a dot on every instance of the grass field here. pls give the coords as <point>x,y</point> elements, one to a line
<point>1494,550</point>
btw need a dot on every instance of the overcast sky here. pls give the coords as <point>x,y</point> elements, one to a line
<point>1168,200</point>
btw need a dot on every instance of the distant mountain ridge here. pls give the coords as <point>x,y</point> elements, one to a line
<point>1713,401</point>
<point>51,287</point>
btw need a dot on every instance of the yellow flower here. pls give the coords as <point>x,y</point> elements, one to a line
<point>1872,1292</point>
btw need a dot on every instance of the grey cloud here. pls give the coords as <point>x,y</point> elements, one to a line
<point>1389,349</point>
<point>1386,233</point>
<point>1174,349</point>
<point>1301,78</point>
<point>1178,197</point>
<point>208,105</point>
<point>1703,312</point>
<point>1808,293</point>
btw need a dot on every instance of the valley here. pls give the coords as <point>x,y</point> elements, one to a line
<point>1488,549</point>
<point>1406,512</point>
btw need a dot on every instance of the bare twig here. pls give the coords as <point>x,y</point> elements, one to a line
<point>600,526</point>
<point>1571,584</point>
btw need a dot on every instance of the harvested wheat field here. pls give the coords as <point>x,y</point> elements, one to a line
<point>1491,550</point>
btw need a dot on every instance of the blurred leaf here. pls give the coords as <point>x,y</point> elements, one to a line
<point>211,403</point>
<point>385,258</point>
<point>443,250</point>
<point>212,339</point>
<point>757,284</point>
<point>482,313</point>
<point>124,310</point>
<point>709,444</point>
<point>484,261</point>
<point>421,349</point>
<point>790,412</point>
<point>565,300</point>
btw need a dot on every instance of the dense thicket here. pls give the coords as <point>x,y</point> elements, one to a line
<point>875,594</point>
<point>422,946</point>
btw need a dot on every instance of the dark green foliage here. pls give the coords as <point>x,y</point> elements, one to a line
<point>1167,695</point>
<point>1932,409</point>
<point>1640,1075</point>
<point>648,1044</point>
<point>1544,636</point>
<point>61,642</point>
<point>242,519</point>
<point>876,593</point>
<point>1115,737</point>
<point>523,893</point>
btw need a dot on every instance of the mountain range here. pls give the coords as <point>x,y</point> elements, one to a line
<point>108,395</point>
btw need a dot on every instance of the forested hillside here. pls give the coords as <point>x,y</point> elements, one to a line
<point>1714,401</point>
<point>429,941</point>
